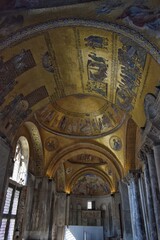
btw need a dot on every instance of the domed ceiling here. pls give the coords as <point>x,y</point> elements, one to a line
<point>81,116</point>
<point>79,61</point>
<point>79,82</point>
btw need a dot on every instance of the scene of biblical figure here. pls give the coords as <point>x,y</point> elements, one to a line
<point>97,68</point>
<point>143,17</point>
<point>15,113</point>
<point>132,58</point>
<point>16,65</point>
<point>90,184</point>
<point>109,6</point>
<point>10,24</point>
<point>109,119</point>
<point>87,159</point>
<point>47,62</point>
<point>115,143</point>
<point>96,42</point>
<point>97,87</point>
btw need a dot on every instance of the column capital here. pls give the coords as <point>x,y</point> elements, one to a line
<point>142,156</point>
<point>133,175</point>
<point>147,149</point>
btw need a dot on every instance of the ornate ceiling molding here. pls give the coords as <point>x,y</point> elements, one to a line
<point>81,125</point>
<point>89,148</point>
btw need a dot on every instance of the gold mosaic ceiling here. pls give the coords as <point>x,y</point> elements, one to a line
<point>80,61</point>
<point>79,85</point>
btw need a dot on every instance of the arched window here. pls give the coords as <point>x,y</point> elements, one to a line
<point>21,159</point>
<point>17,181</point>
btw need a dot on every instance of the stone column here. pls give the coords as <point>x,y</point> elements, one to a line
<point>144,207</point>
<point>154,187</point>
<point>126,215</point>
<point>67,209</point>
<point>135,204</point>
<point>149,200</point>
<point>156,149</point>
<point>61,200</point>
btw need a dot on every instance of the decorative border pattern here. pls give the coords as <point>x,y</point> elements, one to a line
<point>27,32</point>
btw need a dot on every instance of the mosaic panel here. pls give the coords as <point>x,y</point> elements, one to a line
<point>15,66</point>
<point>102,122</point>
<point>37,95</point>
<point>90,184</point>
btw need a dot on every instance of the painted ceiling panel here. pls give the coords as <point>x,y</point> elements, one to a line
<point>90,184</point>
<point>79,60</point>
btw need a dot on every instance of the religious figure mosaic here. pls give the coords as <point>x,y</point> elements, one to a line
<point>90,184</point>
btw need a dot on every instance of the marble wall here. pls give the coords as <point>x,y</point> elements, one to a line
<point>106,213</point>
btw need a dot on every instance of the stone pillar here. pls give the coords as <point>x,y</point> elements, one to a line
<point>135,206</point>
<point>67,209</point>
<point>39,208</point>
<point>154,187</point>
<point>144,206</point>
<point>4,175</point>
<point>126,215</point>
<point>156,149</point>
<point>61,200</point>
<point>149,200</point>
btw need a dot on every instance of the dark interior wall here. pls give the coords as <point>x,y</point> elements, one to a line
<point>12,4</point>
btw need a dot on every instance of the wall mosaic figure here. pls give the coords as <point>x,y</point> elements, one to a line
<point>90,184</point>
<point>15,113</point>
<point>97,87</point>
<point>115,143</point>
<point>97,68</point>
<point>132,58</point>
<point>76,124</point>
<point>10,24</point>
<point>47,62</point>
<point>96,42</point>
<point>142,16</point>
<point>16,65</point>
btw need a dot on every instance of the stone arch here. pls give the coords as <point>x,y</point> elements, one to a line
<point>37,148</point>
<point>36,160</point>
<point>27,32</point>
<point>97,172</point>
<point>77,148</point>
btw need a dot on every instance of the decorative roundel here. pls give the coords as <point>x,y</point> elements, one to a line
<point>69,170</point>
<point>51,144</point>
<point>115,143</point>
